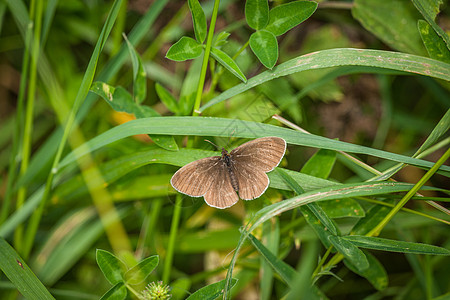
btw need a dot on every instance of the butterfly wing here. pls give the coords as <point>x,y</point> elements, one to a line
<point>206,177</point>
<point>221,193</point>
<point>195,178</point>
<point>252,160</point>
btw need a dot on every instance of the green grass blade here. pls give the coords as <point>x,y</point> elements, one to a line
<point>210,292</point>
<point>15,268</point>
<point>395,246</point>
<point>375,273</point>
<point>286,272</point>
<point>341,191</point>
<point>81,95</point>
<point>343,57</point>
<point>441,128</point>
<point>61,253</point>
<point>42,158</point>
<point>350,252</point>
<point>221,127</point>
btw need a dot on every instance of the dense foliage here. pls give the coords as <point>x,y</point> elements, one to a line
<point>102,101</point>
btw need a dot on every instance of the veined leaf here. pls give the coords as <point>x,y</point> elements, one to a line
<point>286,16</point>
<point>198,19</point>
<point>435,45</point>
<point>265,46</point>
<point>228,63</point>
<point>142,270</point>
<point>257,13</point>
<point>186,48</point>
<point>112,267</point>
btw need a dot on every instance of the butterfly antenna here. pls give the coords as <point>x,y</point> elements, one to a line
<point>231,136</point>
<point>212,144</point>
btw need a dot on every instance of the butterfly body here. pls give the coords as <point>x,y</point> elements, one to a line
<point>242,170</point>
<point>226,158</point>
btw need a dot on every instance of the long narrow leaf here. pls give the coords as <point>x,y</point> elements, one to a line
<point>284,270</point>
<point>220,127</point>
<point>15,268</point>
<point>395,246</point>
<point>343,57</point>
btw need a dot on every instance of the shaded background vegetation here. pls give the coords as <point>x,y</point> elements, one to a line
<point>378,109</point>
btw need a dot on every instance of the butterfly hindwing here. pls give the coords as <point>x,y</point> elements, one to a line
<point>222,194</point>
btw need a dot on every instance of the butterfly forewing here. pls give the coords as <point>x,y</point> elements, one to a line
<point>195,178</point>
<point>252,160</point>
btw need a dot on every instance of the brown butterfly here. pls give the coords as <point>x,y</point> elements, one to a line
<point>243,170</point>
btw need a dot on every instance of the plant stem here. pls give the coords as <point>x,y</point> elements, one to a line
<point>81,95</point>
<point>15,151</point>
<point>201,81</point>
<point>376,231</point>
<point>172,238</point>
<point>36,14</point>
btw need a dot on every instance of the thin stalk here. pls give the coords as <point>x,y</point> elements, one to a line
<point>321,262</point>
<point>17,127</point>
<point>201,81</point>
<point>81,95</point>
<point>376,231</point>
<point>380,175</point>
<point>147,233</point>
<point>403,209</point>
<point>172,238</point>
<point>348,156</point>
<point>36,14</point>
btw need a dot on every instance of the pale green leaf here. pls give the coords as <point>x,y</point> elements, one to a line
<point>286,16</point>
<point>265,46</point>
<point>257,13</point>
<point>112,267</point>
<point>186,48</point>
<point>228,63</point>
<point>434,44</point>
<point>198,19</point>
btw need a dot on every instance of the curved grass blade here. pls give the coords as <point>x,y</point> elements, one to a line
<point>42,158</point>
<point>350,252</point>
<point>377,243</point>
<point>343,57</point>
<point>212,291</point>
<point>286,272</point>
<point>220,127</point>
<point>376,274</point>
<point>15,268</point>
<point>342,191</point>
